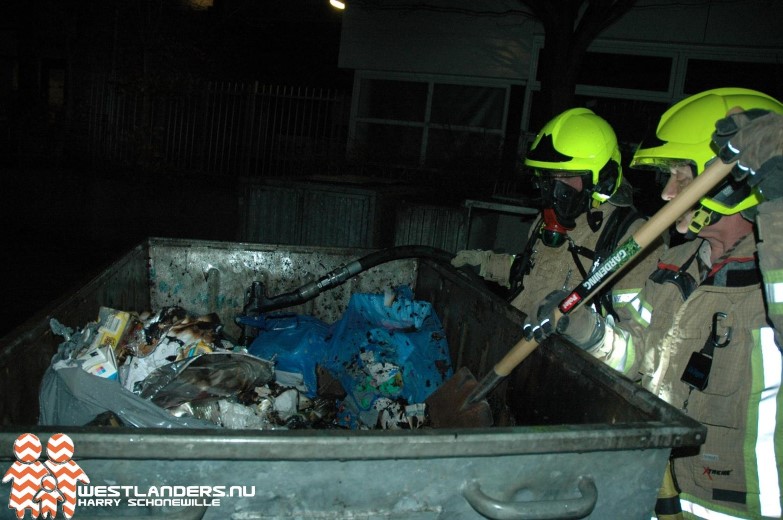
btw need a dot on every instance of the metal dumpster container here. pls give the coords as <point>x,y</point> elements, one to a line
<point>571,436</point>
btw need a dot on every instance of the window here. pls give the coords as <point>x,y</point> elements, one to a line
<point>707,74</point>
<point>603,69</point>
<point>434,124</point>
<point>391,99</point>
<point>463,105</point>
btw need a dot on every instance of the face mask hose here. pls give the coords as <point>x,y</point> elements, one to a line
<point>553,234</point>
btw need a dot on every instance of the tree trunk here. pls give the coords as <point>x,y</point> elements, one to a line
<point>569,28</point>
<point>558,71</point>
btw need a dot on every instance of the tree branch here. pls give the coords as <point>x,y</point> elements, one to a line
<point>599,15</point>
<point>545,11</point>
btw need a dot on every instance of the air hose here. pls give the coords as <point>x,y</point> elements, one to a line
<point>258,302</point>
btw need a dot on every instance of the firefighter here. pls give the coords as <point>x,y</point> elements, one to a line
<point>701,334</point>
<point>587,210</point>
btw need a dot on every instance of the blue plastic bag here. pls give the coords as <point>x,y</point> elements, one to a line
<point>297,344</point>
<point>387,351</point>
<point>383,352</point>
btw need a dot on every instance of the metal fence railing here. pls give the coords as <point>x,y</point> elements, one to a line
<point>220,128</point>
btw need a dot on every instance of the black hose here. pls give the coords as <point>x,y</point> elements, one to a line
<point>258,302</point>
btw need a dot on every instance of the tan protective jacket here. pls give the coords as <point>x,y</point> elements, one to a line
<point>553,268</point>
<point>736,473</point>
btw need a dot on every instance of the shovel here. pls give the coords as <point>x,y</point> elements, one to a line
<point>460,401</point>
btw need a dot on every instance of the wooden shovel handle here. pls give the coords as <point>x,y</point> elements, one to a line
<point>520,351</point>
<point>643,237</point>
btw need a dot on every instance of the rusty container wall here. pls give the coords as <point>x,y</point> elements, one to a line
<point>569,431</point>
<point>206,277</point>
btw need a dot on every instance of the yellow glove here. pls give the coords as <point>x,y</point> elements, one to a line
<point>494,267</point>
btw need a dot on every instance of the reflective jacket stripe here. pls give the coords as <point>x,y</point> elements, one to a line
<point>767,367</point>
<point>773,286</point>
<point>616,349</point>
<point>640,311</point>
<point>760,448</point>
<point>623,297</point>
<point>693,510</point>
<point>775,292</point>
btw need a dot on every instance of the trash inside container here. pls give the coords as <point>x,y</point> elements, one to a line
<point>572,437</point>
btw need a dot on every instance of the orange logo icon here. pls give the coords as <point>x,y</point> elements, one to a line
<point>39,486</point>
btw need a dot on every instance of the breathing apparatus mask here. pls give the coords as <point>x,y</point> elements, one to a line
<point>565,195</point>
<point>576,162</point>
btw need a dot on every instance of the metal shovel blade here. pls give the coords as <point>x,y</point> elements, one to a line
<point>448,406</point>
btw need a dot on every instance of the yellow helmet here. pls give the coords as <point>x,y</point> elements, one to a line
<point>684,134</point>
<point>579,142</point>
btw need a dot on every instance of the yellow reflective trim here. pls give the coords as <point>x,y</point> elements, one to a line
<point>646,315</point>
<point>641,312</point>
<point>694,511</point>
<point>775,292</point>
<point>625,297</point>
<point>768,477</point>
<point>773,275</point>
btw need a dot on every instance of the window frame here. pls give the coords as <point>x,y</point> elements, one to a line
<point>680,54</point>
<point>426,125</point>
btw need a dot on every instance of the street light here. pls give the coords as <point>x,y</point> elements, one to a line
<point>337,4</point>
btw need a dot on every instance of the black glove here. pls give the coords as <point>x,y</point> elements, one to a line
<point>582,326</point>
<point>754,139</point>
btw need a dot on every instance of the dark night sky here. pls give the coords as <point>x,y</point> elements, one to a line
<point>233,40</point>
<point>49,250</point>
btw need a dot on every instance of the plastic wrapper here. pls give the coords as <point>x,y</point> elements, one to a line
<point>206,377</point>
<point>228,414</point>
<point>70,396</point>
<point>167,336</point>
<point>271,408</point>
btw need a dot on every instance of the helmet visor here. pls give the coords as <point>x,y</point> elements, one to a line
<point>557,174</point>
<point>663,164</point>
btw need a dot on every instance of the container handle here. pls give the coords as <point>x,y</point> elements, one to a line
<point>537,510</point>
